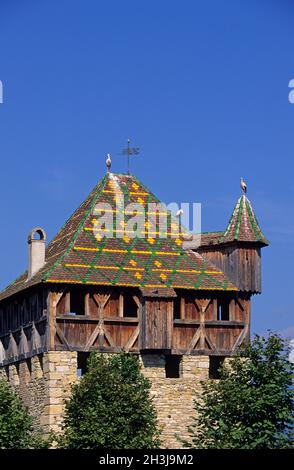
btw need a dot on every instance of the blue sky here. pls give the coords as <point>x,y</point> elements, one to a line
<point>201,87</point>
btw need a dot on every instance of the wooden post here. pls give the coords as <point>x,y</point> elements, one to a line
<point>202,328</point>
<point>67,302</point>
<point>170,323</point>
<point>247,311</point>
<point>232,310</point>
<point>52,301</point>
<point>182,308</point>
<point>87,309</point>
<point>121,306</point>
<point>214,310</point>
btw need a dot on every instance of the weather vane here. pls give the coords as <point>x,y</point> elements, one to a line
<point>130,151</point>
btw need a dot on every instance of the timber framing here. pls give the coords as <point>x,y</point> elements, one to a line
<point>143,293</point>
<point>108,326</point>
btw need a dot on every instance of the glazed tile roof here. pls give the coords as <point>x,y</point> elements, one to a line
<point>243,225</point>
<point>153,260</point>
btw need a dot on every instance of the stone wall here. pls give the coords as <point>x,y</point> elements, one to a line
<point>174,397</point>
<point>44,383</point>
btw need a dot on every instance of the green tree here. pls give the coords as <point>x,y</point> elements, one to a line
<point>16,425</point>
<point>251,406</point>
<point>110,407</point>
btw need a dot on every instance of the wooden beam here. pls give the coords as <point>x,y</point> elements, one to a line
<point>62,338</point>
<point>209,342</point>
<point>137,301</point>
<point>219,323</point>
<point>240,303</point>
<point>169,323</point>
<point>133,338</point>
<point>232,310</point>
<point>121,305</point>
<point>214,309</point>
<point>101,299</point>
<point>93,336</point>
<point>202,304</point>
<point>200,352</point>
<point>87,307</point>
<point>194,341</point>
<point>182,308</point>
<point>52,301</point>
<point>67,302</point>
<point>110,340</point>
<point>202,328</point>
<point>240,339</point>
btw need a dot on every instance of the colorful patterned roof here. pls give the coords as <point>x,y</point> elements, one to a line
<point>243,225</point>
<point>81,253</point>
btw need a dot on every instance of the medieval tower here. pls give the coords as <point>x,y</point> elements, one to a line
<point>182,307</point>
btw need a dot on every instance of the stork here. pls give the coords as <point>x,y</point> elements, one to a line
<point>243,185</point>
<point>108,162</point>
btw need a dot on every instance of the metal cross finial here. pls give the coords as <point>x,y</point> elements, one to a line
<point>130,151</point>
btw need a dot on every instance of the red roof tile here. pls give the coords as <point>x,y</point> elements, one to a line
<point>81,253</point>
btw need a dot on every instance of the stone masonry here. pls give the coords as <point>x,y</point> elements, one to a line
<point>44,382</point>
<point>174,397</point>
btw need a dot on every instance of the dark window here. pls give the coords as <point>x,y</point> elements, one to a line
<point>172,366</point>
<point>177,308</point>
<point>82,363</point>
<point>223,310</point>
<point>215,362</point>
<point>77,302</point>
<point>130,306</point>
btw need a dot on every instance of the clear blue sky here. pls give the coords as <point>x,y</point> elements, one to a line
<point>201,86</point>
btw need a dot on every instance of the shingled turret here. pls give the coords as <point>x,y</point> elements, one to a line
<point>237,250</point>
<point>243,225</point>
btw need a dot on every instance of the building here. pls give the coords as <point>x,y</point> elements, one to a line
<point>182,307</point>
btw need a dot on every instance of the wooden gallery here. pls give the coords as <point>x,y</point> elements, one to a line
<point>181,306</point>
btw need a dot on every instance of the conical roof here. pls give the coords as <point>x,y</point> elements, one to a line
<point>84,252</point>
<point>243,225</point>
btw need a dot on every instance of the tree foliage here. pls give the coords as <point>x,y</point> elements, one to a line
<point>16,425</point>
<point>251,406</point>
<point>110,407</point>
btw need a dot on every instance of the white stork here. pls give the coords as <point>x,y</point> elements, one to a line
<point>243,185</point>
<point>108,162</point>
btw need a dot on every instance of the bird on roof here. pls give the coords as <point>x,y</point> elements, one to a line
<point>243,185</point>
<point>108,162</point>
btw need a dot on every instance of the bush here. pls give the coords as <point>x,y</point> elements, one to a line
<point>16,425</point>
<point>110,407</point>
<point>251,406</point>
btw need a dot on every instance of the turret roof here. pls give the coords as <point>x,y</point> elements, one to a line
<point>243,225</point>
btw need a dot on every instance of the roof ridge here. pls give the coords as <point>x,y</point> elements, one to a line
<point>81,224</point>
